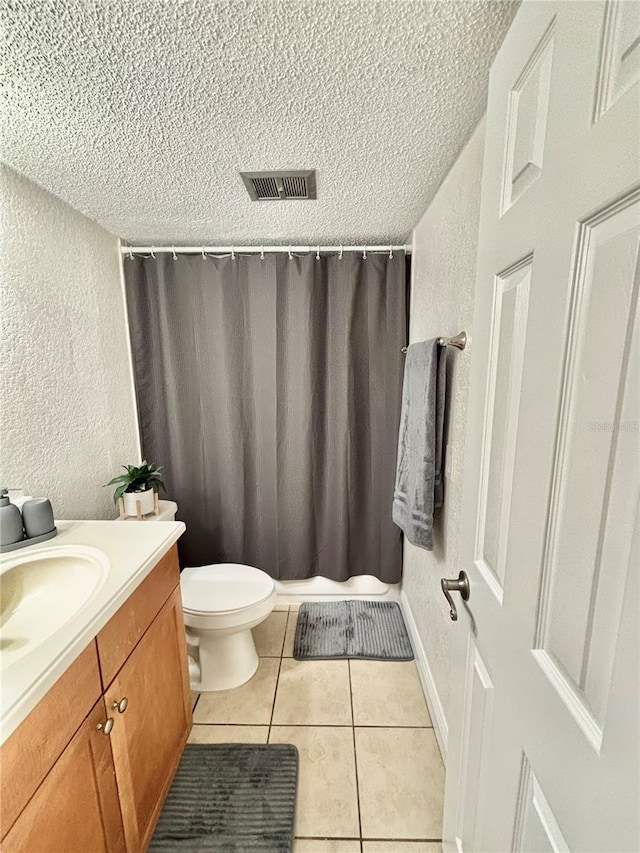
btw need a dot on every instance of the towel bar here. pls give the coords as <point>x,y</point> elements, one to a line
<point>458,341</point>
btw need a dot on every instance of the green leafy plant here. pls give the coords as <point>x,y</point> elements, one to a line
<point>137,479</point>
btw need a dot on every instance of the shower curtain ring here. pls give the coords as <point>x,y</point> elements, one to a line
<point>130,254</point>
<point>290,255</point>
<point>318,253</point>
<point>364,253</point>
<point>233,254</point>
<point>390,253</point>
<point>262,253</point>
<point>153,254</point>
<point>204,257</point>
<point>173,252</point>
<point>340,254</point>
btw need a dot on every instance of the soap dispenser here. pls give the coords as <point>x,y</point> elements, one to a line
<point>11,529</point>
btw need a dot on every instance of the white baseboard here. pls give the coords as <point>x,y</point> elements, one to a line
<point>434,704</point>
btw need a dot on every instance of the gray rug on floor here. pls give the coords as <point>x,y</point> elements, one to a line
<point>373,630</point>
<point>231,798</point>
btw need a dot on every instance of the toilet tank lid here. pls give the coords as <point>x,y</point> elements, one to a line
<point>223,586</point>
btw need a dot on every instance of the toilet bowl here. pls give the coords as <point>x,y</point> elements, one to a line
<point>221,604</point>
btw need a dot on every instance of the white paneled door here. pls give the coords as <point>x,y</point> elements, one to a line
<point>544,746</point>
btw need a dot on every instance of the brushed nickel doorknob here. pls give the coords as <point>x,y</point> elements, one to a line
<point>105,727</point>
<point>459,584</point>
<point>120,706</point>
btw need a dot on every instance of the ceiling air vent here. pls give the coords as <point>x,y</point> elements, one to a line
<point>280,186</point>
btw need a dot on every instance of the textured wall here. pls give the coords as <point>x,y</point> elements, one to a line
<point>67,419</point>
<point>163,102</point>
<point>445,243</point>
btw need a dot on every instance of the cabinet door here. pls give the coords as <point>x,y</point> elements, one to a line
<point>30,752</point>
<point>149,736</point>
<point>123,631</point>
<point>75,809</point>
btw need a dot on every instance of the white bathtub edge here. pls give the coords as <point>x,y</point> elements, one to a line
<point>324,589</point>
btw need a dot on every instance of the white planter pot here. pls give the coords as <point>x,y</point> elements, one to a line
<point>144,498</point>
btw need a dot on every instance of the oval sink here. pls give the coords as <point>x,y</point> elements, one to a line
<point>40,592</point>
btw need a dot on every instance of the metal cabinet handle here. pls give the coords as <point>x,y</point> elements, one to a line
<point>459,584</point>
<point>105,727</point>
<point>120,706</point>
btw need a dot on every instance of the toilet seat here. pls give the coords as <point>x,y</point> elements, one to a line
<point>221,604</point>
<point>224,588</point>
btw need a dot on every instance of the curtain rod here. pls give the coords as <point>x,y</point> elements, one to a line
<point>152,251</point>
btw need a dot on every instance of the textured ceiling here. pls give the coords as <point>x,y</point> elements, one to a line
<point>140,113</point>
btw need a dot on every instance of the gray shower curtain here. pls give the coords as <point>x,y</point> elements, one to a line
<point>270,392</point>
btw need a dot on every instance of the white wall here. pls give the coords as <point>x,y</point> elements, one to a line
<point>67,414</point>
<point>445,243</point>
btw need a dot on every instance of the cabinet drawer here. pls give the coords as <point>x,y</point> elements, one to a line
<point>122,632</point>
<point>32,750</point>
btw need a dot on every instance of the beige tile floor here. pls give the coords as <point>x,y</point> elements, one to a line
<point>371,777</point>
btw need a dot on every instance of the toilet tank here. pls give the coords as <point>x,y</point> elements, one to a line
<point>167,512</point>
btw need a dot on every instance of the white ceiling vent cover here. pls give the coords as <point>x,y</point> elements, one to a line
<point>281,186</point>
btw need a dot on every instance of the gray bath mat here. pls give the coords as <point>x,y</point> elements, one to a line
<point>373,630</point>
<point>231,798</point>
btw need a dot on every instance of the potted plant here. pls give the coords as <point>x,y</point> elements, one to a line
<point>137,487</point>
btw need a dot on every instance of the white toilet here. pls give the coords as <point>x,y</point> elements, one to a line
<point>222,603</point>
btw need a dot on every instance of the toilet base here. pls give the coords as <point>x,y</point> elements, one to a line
<point>224,661</point>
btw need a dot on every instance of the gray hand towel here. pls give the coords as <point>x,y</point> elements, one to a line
<point>419,484</point>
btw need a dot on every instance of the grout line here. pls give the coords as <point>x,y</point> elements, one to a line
<point>270,725</point>
<point>284,634</point>
<point>275,693</point>
<point>354,838</point>
<point>237,725</point>
<point>355,757</point>
<point>353,728</point>
<point>353,719</point>
<point>367,726</point>
<point>318,725</point>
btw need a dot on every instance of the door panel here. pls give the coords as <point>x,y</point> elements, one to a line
<point>535,827</point>
<point>587,549</point>
<point>526,126</point>
<point>508,336</point>
<point>552,485</point>
<point>477,726</point>
<point>620,60</point>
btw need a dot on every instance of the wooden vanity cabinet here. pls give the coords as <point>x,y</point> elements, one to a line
<point>90,787</point>
<point>76,808</point>
<point>149,737</point>
<point>123,631</point>
<point>32,750</point>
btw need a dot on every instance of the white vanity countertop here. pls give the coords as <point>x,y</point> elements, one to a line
<point>132,551</point>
